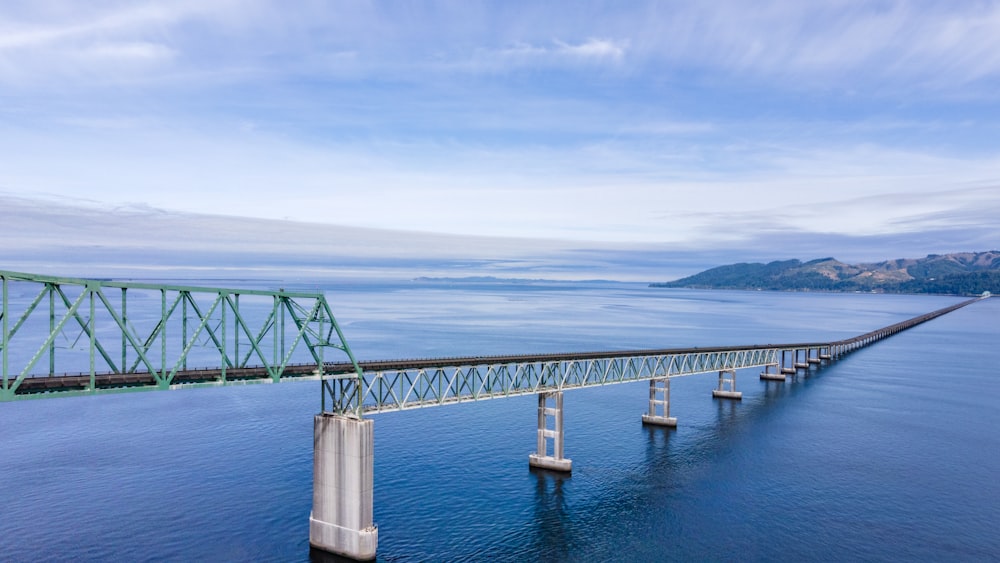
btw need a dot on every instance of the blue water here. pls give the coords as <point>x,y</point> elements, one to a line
<point>890,453</point>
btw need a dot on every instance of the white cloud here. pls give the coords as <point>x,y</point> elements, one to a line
<point>613,192</point>
<point>520,54</point>
<point>624,122</point>
<point>598,49</point>
<point>91,23</point>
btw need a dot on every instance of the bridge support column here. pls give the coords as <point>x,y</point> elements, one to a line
<point>828,356</point>
<point>803,364</point>
<point>659,395</point>
<point>343,479</point>
<point>541,457</point>
<point>786,367</point>
<point>771,375</point>
<point>727,378</point>
<point>811,359</point>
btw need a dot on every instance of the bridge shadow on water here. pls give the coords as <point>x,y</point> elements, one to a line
<point>552,514</point>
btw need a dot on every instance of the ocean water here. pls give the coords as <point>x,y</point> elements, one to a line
<point>891,453</point>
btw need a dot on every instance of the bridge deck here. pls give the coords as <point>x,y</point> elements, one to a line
<point>388,385</point>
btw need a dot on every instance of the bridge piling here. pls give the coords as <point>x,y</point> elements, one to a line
<point>659,395</point>
<point>812,359</point>
<point>343,483</point>
<point>727,378</point>
<point>769,375</point>
<point>541,458</point>
<point>804,364</point>
<point>786,367</point>
<point>825,357</point>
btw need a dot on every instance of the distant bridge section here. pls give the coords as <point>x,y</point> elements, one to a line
<point>392,385</point>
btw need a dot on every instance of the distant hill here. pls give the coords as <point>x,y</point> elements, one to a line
<point>963,273</point>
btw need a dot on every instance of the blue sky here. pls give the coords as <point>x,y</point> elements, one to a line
<point>683,125</point>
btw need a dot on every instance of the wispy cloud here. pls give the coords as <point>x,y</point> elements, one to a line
<point>593,49</point>
<point>659,123</point>
<point>936,44</point>
<point>555,53</point>
<point>82,238</point>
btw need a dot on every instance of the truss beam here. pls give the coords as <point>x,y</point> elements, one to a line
<point>253,340</point>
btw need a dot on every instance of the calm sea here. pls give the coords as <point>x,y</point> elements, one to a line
<point>892,453</point>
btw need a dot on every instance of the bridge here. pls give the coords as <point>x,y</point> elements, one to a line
<point>69,336</point>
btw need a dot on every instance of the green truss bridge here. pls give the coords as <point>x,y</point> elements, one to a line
<point>68,336</point>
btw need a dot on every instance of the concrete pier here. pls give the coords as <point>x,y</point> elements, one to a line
<point>800,363</point>
<point>769,375</point>
<point>813,359</point>
<point>343,481</point>
<point>786,367</point>
<point>800,359</point>
<point>541,457</point>
<point>727,378</point>
<point>659,395</point>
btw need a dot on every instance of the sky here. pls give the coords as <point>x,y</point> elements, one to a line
<point>866,130</point>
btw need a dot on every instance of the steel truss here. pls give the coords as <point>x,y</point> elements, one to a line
<point>409,384</point>
<point>130,345</point>
<point>410,388</point>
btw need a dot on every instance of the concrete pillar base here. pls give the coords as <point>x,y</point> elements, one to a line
<point>659,404</point>
<point>727,378</point>
<point>788,371</point>
<point>800,365</point>
<point>550,463</point>
<point>771,375</point>
<point>356,544</point>
<point>541,457</point>
<point>343,482</point>
<point>668,421</point>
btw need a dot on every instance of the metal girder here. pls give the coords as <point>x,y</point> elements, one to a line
<point>156,346</point>
<point>401,389</point>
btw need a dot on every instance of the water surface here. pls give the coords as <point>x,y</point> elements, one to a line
<point>890,453</point>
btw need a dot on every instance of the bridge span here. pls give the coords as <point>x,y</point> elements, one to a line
<point>155,357</point>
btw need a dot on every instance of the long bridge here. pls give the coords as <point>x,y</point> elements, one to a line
<point>69,336</point>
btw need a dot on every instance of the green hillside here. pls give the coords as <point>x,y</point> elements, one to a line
<point>966,273</point>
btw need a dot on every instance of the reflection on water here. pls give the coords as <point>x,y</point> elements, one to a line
<point>551,523</point>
